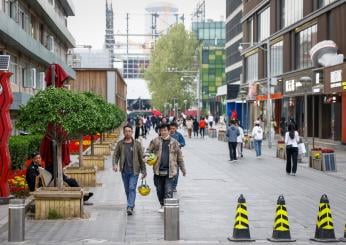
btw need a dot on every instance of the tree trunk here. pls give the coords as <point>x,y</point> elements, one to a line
<point>92,145</point>
<point>81,150</point>
<point>101,138</point>
<point>60,182</point>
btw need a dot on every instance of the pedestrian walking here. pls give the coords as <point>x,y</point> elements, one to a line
<point>202,126</point>
<point>180,138</point>
<point>189,125</point>
<point>291,141</point>
<point>257,134</point>
<point>283,127</point>
<point>195,127</point>
<point>128,160</point>
<point>169,158</point>
<point>210,120</point>
<point>140,132</point>
<point>240,140</point>
<point>232,134</point>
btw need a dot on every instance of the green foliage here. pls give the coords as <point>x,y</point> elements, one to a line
<point>175,49</point>
<point>53,214</point>
<point>21,147</point>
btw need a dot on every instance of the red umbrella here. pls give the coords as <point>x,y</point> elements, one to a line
<point>156,113</point>
<point>46,147</point>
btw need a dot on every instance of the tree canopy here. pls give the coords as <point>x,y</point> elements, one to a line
<point>176,49</point>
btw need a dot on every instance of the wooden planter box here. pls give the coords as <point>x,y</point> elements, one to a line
<point>93,161</point>
<point>212,133</point>
<point>102,149</point>
<point>67,203</point>
<point>84,176</point>
<point>281,151</point>
<point>222,135</point>
<point>326,162</point>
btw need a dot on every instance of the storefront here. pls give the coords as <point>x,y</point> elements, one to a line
<point>335,101</point>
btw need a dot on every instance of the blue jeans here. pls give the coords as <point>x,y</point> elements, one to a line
<point>258,147</point>
<point>175,180</point>
<point>130,185</point>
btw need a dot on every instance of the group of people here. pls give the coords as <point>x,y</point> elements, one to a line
<point>235,135</point>
<point>129,159</point>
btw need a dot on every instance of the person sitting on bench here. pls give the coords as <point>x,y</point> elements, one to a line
<point>35,170</point>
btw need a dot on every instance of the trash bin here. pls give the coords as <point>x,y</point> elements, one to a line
<point>171,220</point>
<point>16,220</point>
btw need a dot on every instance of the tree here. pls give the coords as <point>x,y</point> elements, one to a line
<point>176,49</point>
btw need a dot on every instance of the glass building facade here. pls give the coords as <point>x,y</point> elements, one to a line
<point>134,66</point>
<point>211,36</point>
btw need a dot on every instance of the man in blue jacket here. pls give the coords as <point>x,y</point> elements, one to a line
<point>180,138</point>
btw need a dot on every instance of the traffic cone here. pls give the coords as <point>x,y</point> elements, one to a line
<point>241,231</point>
<point>344,238</point>
<point>324,226</point>
<point>281,230</point>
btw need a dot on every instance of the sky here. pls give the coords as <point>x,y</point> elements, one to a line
<point>88,24</point>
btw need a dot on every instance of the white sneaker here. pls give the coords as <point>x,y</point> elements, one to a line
<point>160,210</point>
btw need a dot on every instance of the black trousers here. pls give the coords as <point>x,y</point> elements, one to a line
<point>164,187</point>
<point>232,146</point>
<point>292,156</point>
<point>202,131</point>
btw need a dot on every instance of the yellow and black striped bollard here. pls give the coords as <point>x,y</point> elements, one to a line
<point>281,230</point>
<point>324,227</point>
<point>241,231</point>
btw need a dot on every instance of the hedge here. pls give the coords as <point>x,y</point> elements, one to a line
<point>21,147</point>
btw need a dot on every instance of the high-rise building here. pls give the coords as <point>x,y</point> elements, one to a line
<point>303,90</point>
<point>109,37</point>
<point>35,35</point>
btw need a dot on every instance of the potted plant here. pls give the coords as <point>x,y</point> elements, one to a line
<point>54,112</point>
<point>281,151</point>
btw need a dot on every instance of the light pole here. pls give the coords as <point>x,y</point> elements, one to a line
<point>185,103</point>
<point>269,104</point>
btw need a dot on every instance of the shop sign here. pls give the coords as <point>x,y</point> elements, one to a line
<point>335,79</point>
<point>290,86</point>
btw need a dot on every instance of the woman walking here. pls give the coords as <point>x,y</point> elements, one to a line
<point>189,125</point>
<point>257,134</point>
<point>291,141</point>
<point>202,126</point>
<point>195,127</point>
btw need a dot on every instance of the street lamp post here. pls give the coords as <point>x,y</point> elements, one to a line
<point>269,105</point>
<point>185,103</point>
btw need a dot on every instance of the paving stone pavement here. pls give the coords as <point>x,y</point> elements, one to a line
<point>208,198</point>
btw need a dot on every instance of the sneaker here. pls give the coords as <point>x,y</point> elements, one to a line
<point>293,174</point>
<point>129,211</point>
<point>241,155</point>
<point>174,190</point>
<point>236,160</point>
<point>160,209</point>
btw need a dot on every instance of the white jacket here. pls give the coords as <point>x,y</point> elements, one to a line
<point>241,135</point>
<point>294,141</point>
<point>257,133</point>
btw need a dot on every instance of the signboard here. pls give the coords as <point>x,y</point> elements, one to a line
<point>335,79</point>
<point>290,86</point>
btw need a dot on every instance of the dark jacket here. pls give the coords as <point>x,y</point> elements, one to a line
<point>137,132</point>
<point>195,125</point>
<point>31,173</point>
<point>180,138</point>
<point>138,163</point>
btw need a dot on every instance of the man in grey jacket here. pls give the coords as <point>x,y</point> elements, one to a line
<point>232,134</point>
<point>128,159</point>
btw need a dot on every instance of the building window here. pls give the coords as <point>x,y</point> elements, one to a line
<point>250,30</point>
<point>322,3</point>
<point>276,58</point>
<point>252,67</point>
<point>291,11</point>
<point>305,39</point>
<point>264,24</point>
<point>13,68</point>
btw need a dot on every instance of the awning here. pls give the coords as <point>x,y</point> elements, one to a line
<point>274,96</point>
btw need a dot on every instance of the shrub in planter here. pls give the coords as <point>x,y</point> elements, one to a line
<point>21,147</point>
